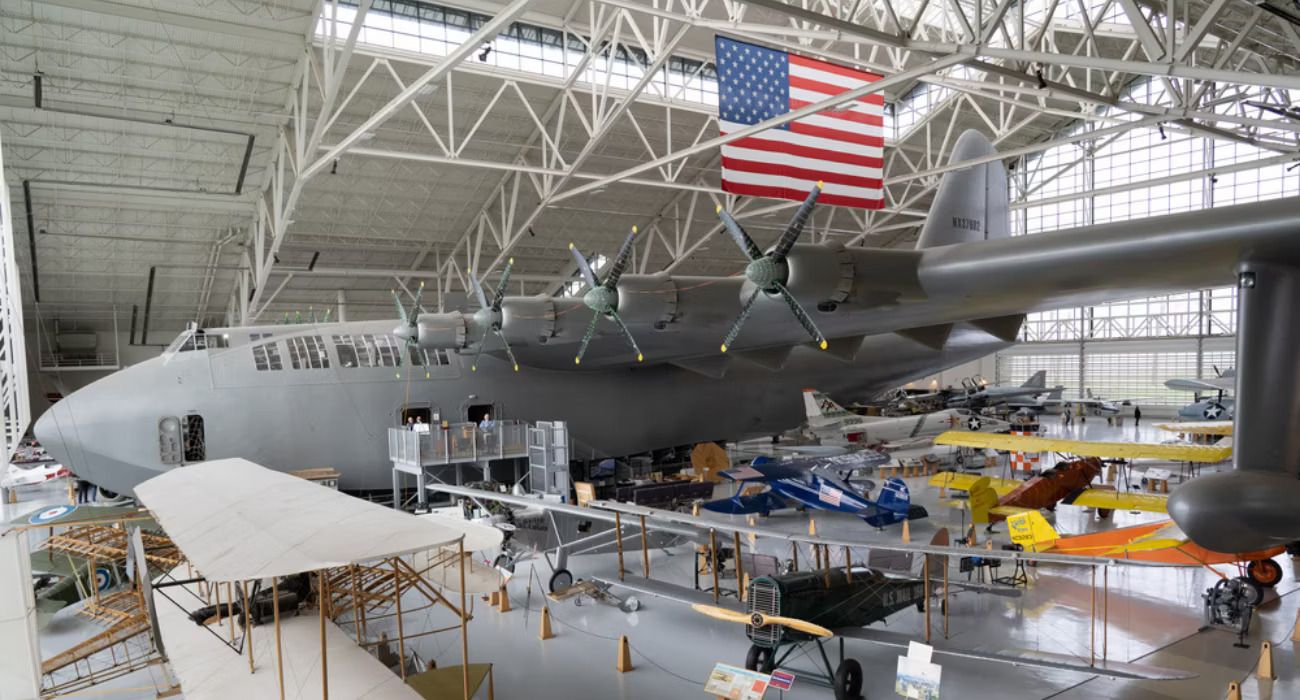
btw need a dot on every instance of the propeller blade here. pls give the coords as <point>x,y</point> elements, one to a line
<point>742,239</point>
<point>587,275</point>
<point>740,320</point>
<point>415,305</point>
<point>804,319</point>
<point>478,290</point>
<point>795,624</point>
<point>627,334</point>
<point>797,223</point>
<point>591,330</point>
<point>620,262</point>
<point>397,301</point>
<point>473,366</point>
<point>722,613</point>
<point>509,353</point>
<point>762,620</point>
<point>501,287</point>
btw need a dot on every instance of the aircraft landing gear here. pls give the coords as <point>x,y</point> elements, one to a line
<point>759,659</point>
<point>560,580</point>
<point>1105,513</point>
<point>848,680</point>
<point>1264,572</point>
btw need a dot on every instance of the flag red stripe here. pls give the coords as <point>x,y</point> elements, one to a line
<point>760,144</point>
<point>779,169</point>
<point>846,115</point>
<point>833,68</point>
<point>789,193</point>
<point>824,132</point>
<point>830,90</point>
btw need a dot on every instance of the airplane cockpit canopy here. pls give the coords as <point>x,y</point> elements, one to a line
<point>197,339</point>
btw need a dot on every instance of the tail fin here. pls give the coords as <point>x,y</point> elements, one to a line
<point>820,409</point>
<point>1037,381</point>
<point>1031,531</point>
<point>972,203</point>
<point>981,498</point>
<point>1056,392</point>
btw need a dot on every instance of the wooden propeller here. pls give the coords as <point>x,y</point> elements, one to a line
<point>758,619</point>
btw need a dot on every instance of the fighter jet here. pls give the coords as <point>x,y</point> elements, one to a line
<point>978,393</point>
<point>663,369</point>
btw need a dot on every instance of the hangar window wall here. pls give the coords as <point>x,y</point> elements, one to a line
<point>1112,371</point>
<point>1140,173</point>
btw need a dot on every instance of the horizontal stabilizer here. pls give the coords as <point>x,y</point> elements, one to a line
<point>1001,327</point>
<point>1027,657</point>
<point>668,591</point>
<point>765,502</point>
<point>933,337</point>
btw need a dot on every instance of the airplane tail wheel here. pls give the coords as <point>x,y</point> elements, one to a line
<point>1265,572</point>
<point>848,680</point>
<point>560,580</point>
<point>759,659</point>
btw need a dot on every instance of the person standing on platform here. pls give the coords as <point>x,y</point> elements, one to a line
<point>1137,416</point>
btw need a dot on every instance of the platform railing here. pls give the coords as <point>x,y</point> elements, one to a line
<point>457,443</point>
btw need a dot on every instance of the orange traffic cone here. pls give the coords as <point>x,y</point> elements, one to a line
<point>624,655</point>
<point>546,632</point>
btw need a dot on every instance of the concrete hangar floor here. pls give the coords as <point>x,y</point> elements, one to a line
<point>1155,617</point>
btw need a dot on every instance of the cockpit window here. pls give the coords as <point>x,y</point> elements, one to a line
<point>198,340</point>
<point>308,352</point>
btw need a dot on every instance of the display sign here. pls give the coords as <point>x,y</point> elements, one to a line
<point>917,677</point>
<point>736,683</point>
<point>782,680</point>
<point>829,494</point>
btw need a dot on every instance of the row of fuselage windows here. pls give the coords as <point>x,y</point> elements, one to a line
<point>354,350</point>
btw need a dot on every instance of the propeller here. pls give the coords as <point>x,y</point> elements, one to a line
<point>602,298</point>
<point>409,330</point>
<point>758,619</point>
<point>768,271</point>
<point>489,315</point>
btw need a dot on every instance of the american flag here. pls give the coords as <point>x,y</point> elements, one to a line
<point>843,147</point>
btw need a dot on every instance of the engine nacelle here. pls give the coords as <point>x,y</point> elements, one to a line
<point>528,320</point>
<point>649,300</point>
<point>818,275</point>
<point>445,331</point>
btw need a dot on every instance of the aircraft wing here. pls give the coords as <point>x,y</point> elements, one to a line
<point>768,471</point>
<point>50,516</point>
<point>1201,385</point>
<point>1084,448</point>
<point>963,482</point>
<point>1209,427</point>
<point>1120,500</point>
<point>1026,657</point>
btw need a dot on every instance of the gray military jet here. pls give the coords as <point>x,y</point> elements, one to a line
<point>850,321</point>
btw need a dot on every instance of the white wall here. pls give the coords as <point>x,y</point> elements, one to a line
<point>67,381</point>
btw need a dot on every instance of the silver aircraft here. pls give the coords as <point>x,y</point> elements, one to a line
<point>653,363</point>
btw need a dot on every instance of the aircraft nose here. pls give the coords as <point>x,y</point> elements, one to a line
<point>52,434</point>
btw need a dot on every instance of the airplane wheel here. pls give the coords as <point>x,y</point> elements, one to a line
<point>1265,572</point>
<point>759,659</point>
<point>848,680</point>
<point>560,580</point>
<point>1105,513</point>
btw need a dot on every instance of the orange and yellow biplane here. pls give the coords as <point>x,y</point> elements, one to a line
<point>1162,542</point>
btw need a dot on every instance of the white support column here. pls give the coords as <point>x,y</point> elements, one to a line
<point>20,651</point>
<point>342,312</point>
